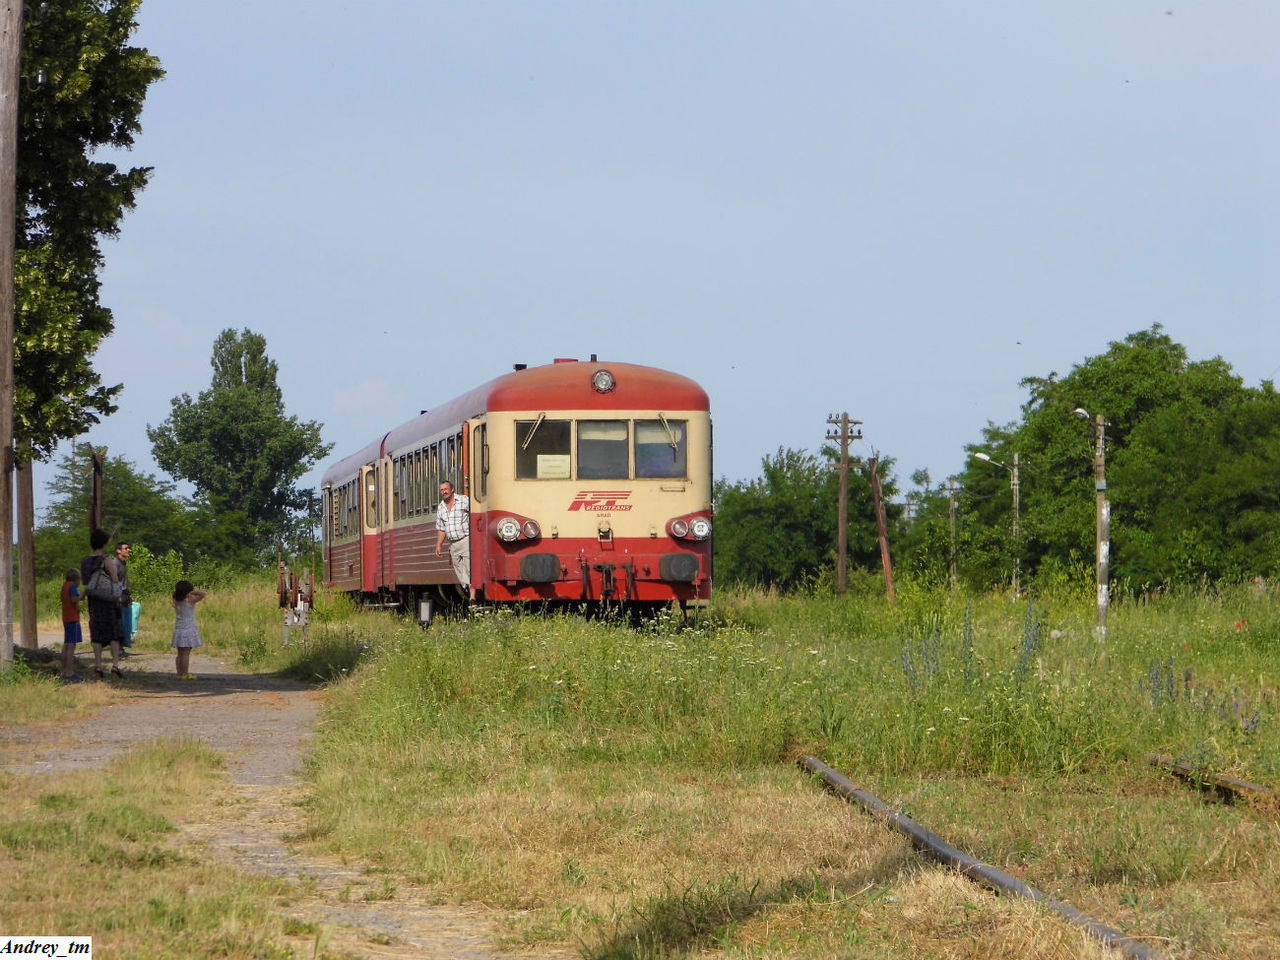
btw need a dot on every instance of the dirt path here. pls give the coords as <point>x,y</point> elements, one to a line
<point>262,726</point>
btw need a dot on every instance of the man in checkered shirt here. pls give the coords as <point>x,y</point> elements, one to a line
<point>453,523</point>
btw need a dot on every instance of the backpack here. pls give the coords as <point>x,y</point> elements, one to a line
<point>100,586</point>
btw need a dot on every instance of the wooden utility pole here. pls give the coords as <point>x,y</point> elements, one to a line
<point>10,58</point>
<point>951,510</point>
<point>96,458</point>
<point>842,522</point>
<point>882,527</point>
<point>24,482</point>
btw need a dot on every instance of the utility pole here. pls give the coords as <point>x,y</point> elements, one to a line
<point>842,522</point>
<point>10,59</point>
<point>1103,525</point>
<point>24,483</point>
<point>1017,538</point>
<point>951,510</point>
<point>882,527</point>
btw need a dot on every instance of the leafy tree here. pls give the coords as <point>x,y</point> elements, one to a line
<point>1192,459</point>
<point>136,506</point>
<point>237,447</point>
<point>68,198</point>
<point>780,530</point>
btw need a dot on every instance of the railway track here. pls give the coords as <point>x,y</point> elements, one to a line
<point>971,867</point>
<point>1228,789</point>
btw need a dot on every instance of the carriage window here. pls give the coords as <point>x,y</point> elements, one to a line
<point>542,449</point>
<point>602,449</point>
<point>661,448</point>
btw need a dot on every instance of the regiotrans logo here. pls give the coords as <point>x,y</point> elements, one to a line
<point>599,501</point>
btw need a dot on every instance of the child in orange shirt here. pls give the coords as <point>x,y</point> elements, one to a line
<point>71,600</point>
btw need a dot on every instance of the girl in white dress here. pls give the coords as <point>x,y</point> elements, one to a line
<point>186,636</point>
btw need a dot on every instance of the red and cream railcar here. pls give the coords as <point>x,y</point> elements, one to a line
<point>589,483</point>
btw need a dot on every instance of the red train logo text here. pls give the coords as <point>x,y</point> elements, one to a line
<point>596,501</point>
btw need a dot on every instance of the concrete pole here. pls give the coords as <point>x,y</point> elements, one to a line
<point>1103,525</point>
<point>1017,537</point>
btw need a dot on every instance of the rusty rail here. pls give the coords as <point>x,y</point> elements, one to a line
<point>1229,788</point>
<point>972,867</point>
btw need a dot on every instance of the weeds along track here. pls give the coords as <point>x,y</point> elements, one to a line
<point>971,867</point>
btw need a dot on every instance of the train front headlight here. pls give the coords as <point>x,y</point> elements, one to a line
<point>700,528</point>
<point>679,528</point>
<point>531,530</point>
<point>508,529</point>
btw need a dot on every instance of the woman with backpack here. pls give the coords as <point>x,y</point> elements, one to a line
<point>103,592</point>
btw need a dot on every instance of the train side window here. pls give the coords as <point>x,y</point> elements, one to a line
<point>371,501</point>
<point>662,448</point>
<point>401,490</point>
<point>542,449</point>
<point>480,457</point>
<point>602,449</point>
<point>419,492</point>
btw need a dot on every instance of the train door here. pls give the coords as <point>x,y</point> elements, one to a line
<point>370,554</point>
<point>386,534</point>
<point>478,474</point>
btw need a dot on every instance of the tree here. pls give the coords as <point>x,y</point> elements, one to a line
<point>780,529</point>
<point>1193,459</point>
<point>68,199</point>
<point>237,447</point>
<point>136,506</point>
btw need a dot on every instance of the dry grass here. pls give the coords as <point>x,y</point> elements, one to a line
<point>94,853</point>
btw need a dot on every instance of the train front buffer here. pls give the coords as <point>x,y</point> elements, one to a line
<point>603,549</point>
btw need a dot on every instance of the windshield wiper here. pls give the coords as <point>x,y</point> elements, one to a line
<point>671,434</point>
<point>532,430</point>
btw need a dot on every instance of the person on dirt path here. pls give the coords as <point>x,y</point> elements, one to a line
<point>71,634</point>
<point>123,551</point>
<point>186,636</point>
<point>104,615</point>
<point>453,523</point>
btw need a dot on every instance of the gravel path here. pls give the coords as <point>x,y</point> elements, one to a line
<point>262,726</point>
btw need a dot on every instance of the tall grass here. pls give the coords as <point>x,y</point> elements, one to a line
<point>527,761</point>
<point>932,683</point>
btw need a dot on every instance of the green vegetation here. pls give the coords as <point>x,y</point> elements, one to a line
<point>780,530</point>
<point>581,771</point>
<point>1192,461</point>
<point>240,451</point>
<point>635,791</point>
<point>88,97</point>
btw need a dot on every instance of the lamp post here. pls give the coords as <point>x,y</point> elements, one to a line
<point>1014,485</point>
<point>1103,518</point>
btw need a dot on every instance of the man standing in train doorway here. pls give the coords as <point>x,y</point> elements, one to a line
<point>453,523</point>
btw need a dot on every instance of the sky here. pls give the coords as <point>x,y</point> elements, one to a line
<point>897,210</point>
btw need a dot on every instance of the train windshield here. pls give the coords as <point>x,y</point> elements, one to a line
<point>661,449</point>
<point>542,449</point>
<point>602,449</point>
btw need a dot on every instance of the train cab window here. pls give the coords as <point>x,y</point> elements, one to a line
<point>542,449</point>
<point>602,449</point>
<point>662,448</point>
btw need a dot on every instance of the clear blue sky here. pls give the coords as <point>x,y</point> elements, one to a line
<point>894,209</point>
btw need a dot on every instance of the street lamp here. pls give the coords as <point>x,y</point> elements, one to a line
<point>1103,518</point>
<point>1013,483</point>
